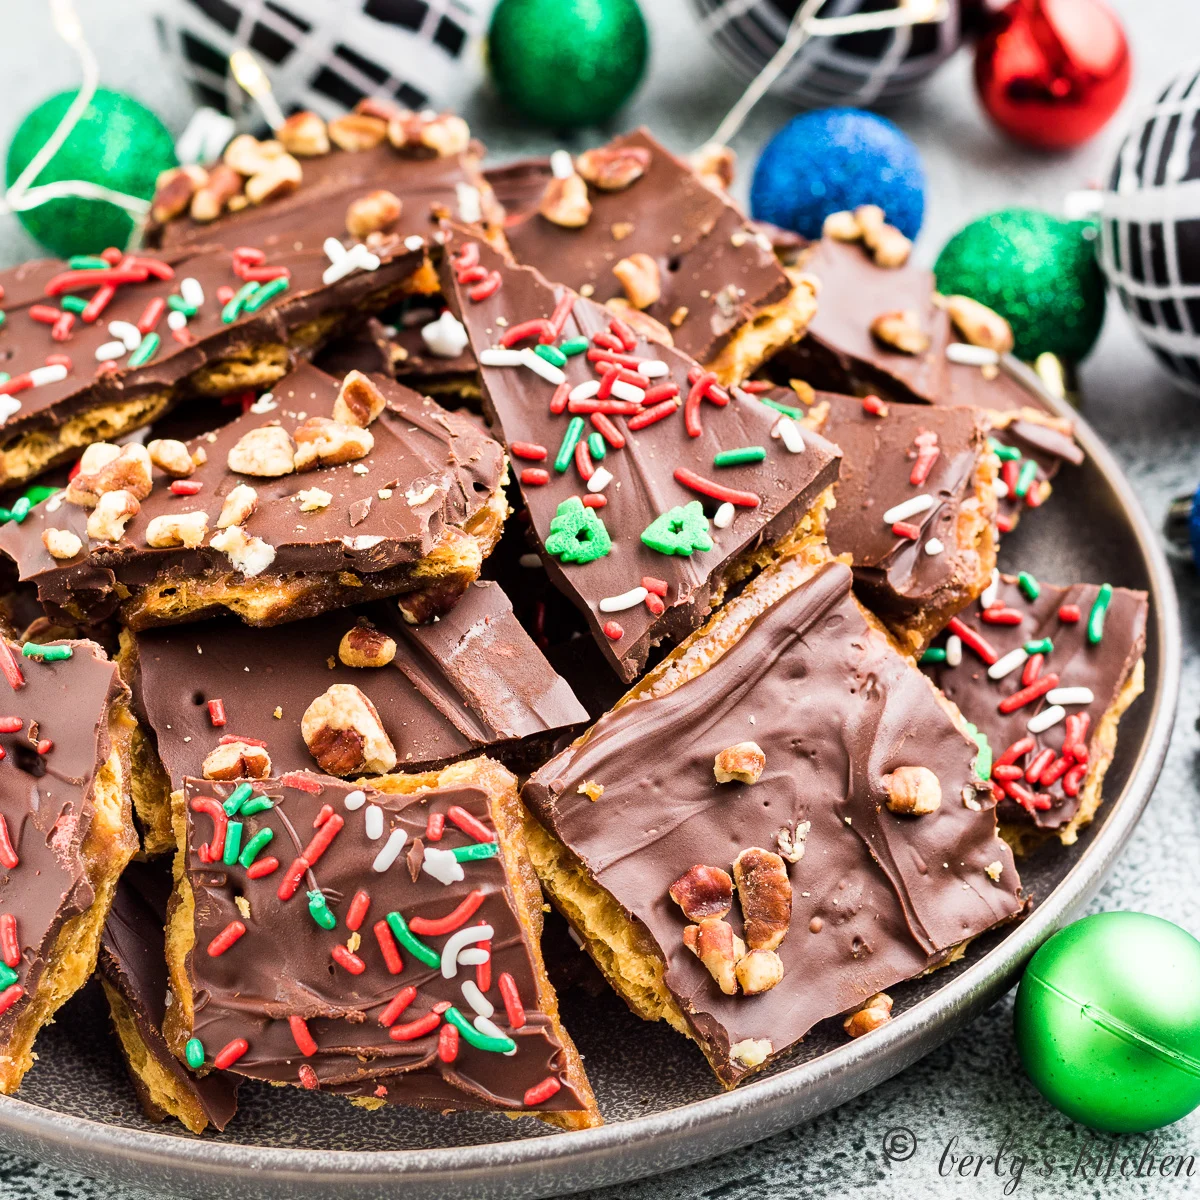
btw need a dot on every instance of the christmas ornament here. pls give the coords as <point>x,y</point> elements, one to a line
<point>1036,270</point>
<point>1052,72</point>
<point>324,55</point>
<point>1107,1021</point>
<point>1149,217</point>
<point>567,63</point>
<point>116,143</point>
<point>836,159</point>
<point>848,68</point>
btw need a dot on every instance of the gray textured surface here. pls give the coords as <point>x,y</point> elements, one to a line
<point>973,1087</point>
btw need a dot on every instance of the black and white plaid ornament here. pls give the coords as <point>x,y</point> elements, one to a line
<point>855,68</point>
<point>1150,226</point>
<point>323,55</point>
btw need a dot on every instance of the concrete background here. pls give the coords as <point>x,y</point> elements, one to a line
<point>973,1087</point>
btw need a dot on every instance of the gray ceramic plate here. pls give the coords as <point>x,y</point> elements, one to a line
<point>77,1109</point>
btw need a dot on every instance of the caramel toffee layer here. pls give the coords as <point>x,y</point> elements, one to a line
<point>776,492</point>
<point>427,477</point>
<point>1109,669</point>
<point>471,680</point>
<point>715,274</point>
<point>133,963</point>
<point>876,897</point>
<point>288,979</point>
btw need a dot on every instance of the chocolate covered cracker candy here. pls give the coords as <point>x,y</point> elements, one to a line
<point>378,941</point>
<point>779,822</point>
<point>66,830</point>
<point>1045,673</point>
<point>322,494</point>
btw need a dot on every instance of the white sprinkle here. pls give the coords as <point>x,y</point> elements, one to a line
<point>498,356</point>
<point>43,375</point>
<point>191,291</point>
<point>1046,718</point>
<point>110,350</point>
<point>442,866</point>
<point>355,800</point>
<point>600,479</point>
<point>724,515</point>
<point>55,503</point>
<point>953,650</point>
<point>475,998</point>
<point>653,368</point>
<point>562,165</point>
<point>474,957</point>
<point>9,407</point>
<point>176,320</point>
<point>1000,488</point>
<point>469,207</point>
<point>460,940</point>
<point>373,819</point>
<point>530,562</point>
<point>1008,664</point>
<point>539,366</point>
<point>264,404</point>
<point>629,599</point>
<point>991,593</point>
<point>334,250</point>
<point>414,241</point>
<point>908,508</point>
<point>491,1029</point>
<point>934,546</point>
<point>362,257</point>
<point>124,332</point>
<point>628,391</point>
<point>391,849</point>
<point>790,435</point>
<point>1070,695</point>
<point>967,355</point>
<point>445,337</point>
<point>585,390</point>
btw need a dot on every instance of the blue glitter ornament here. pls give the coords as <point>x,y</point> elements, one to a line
<point>836,159</point>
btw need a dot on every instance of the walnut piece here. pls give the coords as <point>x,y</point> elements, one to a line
<point>266,452</point>
<point>715,165</point>
<point>901,331</point>
<point>759,971</point>
<point>304,134</point>
<point>248,156</point>
<point>641,279</point>
<point>791,841</point>
<point>359,401</point>
<point>741,763</point>
<point>249,555</point>
<point>363,645</point>
<point>703,892</point>
<point>172,456</point>
<point>177,529</point>
<point>376,211</point>
<point>237,760</point>
<point>613,168</point>
<point>765,894</point>
<point>713,942</point>
<point>841,226</point>
<point>114,510</point>
<point>913,791</point>
<point>314,499</point>
<point>565,202</point>
<point>342,731</point>
<point>174,191</point>
<point>325,443</point>
<point>238,506</point>
<point>209,202</point>
<point>423,133</point>
<point>978,324</point>
<point>105,468</point>
<point>357,131</point>
<point>61,543</point>
<point>877,1011</point>
<point>751,1052</point>
<point>278,178</point>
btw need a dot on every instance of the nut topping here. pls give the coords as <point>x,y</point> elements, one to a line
<point>342,731</point>
<point>640,277</point>
<point>104,468</point>
<point>565,202</point>
<point>304,134</point>
<point>266,452</point>
<point>791,841</point>
<point>280,177</point>
<point>901,331</point>
<point>61,543</point>
<point>326,443</point>
<point>237,760</point>
<point>765,894</point>
<point>209,202</point>
<point>171,456</point>
<point>742,763</point>
<point>841,226</point>
<point>249,555</point>
<point>174,192</point>
<point>913,791</point>
<point>363,645</point>
<point>238,506</point>
<point>715,165</point>
<point>314,499</point>
<point>357,131</point>
<point>438,135</point>
<point>703,892</point>
<point>759,971</point>
<point>114,510</point>
<point>359,401</point>
<point>751,1052</point>
<point>978,324</point>
<point>877,1011</point>
<point>248,156</point>
<point>713,942</point>
<point>888,246</point>
<point>613,168</point>
<point>372,213</point>
<point>177,529</point>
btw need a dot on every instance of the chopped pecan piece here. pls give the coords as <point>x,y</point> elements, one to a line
<point>209,202</point>
<point>765,894</point>
<point>171,456</point>
<point>363,645</point>
<point>177,529</point>
<point>715,165</point>
<point>890,248</point>
<point>877,1011</point>
<point>376,211</point>
<point>114,510</point>
<point>278,178</point>
<point>267,452</point>
<point>174,191</point>
<point>105,468</point>
<point>342,731</point>
<point>759,971</point>
<point>359,401</point>
<point>61,543</point>
<point>237,760</point>
<point>565,202</point>
<point>703,892</point>
<point>248,156</point>
<point>741,763</point>
<point>613,168</point>
<point>640,277</point>
<point>238,507</point>
<point>900,331</point>
<point>357,131</point>
<point>713,942</point>
<point>304,134</point>
<point>913,791</point>
<point>326,443</point>
<point>978,324</point>
<point>440,134</point>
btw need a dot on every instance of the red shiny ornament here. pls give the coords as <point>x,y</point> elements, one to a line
<point>1052,72</point>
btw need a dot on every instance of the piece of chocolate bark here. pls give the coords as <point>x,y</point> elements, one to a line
<point>66,830</point>
<point>790,753</point>
<point>133,971</point>
<point>382,944</point>
<point>471,681</point>
<point>649,486</point>
<point>1045,673</point>
<point>914,507</point>
<point>321,494</point>
<point>634,226</point>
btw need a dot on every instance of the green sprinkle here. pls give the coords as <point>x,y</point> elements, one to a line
<point>596,447</point>
<point>983,760</point>
<point>552,354</point>
<point>20,509</point>
<point>233,842</point>
<point>5,516</point>
<point>319,910</point>
<point>740,457</point>
<point>681,530</point>
<point>87,262</point>
<point>472,1036</point>
<point>194,1053</point>
<point>36,495</point>
<point>577,534</point>
<point>788,411</point>
<point>476,850</point>
<point>413,944</point>
<point>7,976</point>
<point>1095,625</point>
<point>1028,585</point>
<point>255,845</point>
<point>46,653</point>
<point>1025,480</point>
<point>4,375</point>
<point>562,460</point>
<point>573,346</point>
<point>935,654</point>
<point>266,293</point>
<point>237,798</point>
<point>257,805</point>
<point>177,303</point>
<point>3,318</point>
<point>233,309</point>
<point>1002,452</point>
<point>1041,646</point>
<point>145,352</point>
<point>72,304</point>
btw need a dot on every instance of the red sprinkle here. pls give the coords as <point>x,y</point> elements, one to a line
<point>357,911</point>
<point>1007,772</point>
<point>10,996</point>
<point>112,255</point>
<point>1008,473</point>
<point>469,824</point>
<point>18,383</point>
<point>435,826</point>
<point>595,404</point>
<point>648,416</point>
<point>61,330</point>
<point>558,318</point>
<point>756,387</point>
<point>691,406</point>
<point>906,529</point>
<point>154,267</point>
<point>100,301</point>
<point>595,500</point>
<point>1024,797</point>
<point>184,487</point>
<point>230,934</point>
<point>659,587</point>
<point>608,431</point>
<point>1038,766</point>
<point>512,1000</point>
<point>8,664</point>
<point>262,274</point>
<point>151,315</point>
<point>999,615</point>
<point>75,281</point>
<point>489,287</point>
<point>1052,774</point>
<point>558,401</point>
<point>1076,729</point>
<point>1069,613</point>
<point>611,356</point>
<point>583,460</point>
<point>44,314</point>
<point>526,329</point>
<point>348,959</point>
<point>1018,749</point>
<point>322,816</point>
<point>613,631</point>
<point>304,1039</point>
<point>621,330</point>
<point>224,294</point>
<point>874,406</point>
<point>10,944</point>
<point>530,450</point>
<point>541,1092</point>
<point>60,360</point>
<point>483,972</point>
<point>212,807</point>
<point>388,947</point>
<point>396,1005</point>
<point>1028,695</point>
<point>1005,523</point>
<point>262,866</point>
<point>1033,668</point>
<point>226,738</point>
<point>299,780</point>
<point>11,724</point>
<point>535,476</point>
<point>415,1029</point>
<point>660,392</point>
<point>927,454</point>
<point>714,491</point>
<point>322,839</point>
<point>655,604</point>
<point>216,713</point>
<point>291,880</point>
<point>308,1078</point>
<point>231,1053</point>
<point>973,640</point>
<point>1073,779</point>
<point>448,1043</point>
<point>436,927</point>
<point>44,746</point>
<point>606,341</point>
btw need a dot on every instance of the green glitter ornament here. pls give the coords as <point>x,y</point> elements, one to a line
<point>1036,270</point>
<point>1107,1022</point>
<point>117,142</point>
<point>567,63</point>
